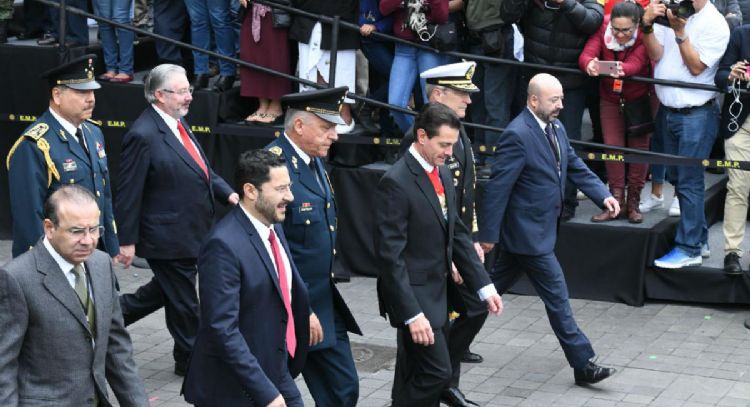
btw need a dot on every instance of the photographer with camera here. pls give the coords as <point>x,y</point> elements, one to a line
<point>686,46</point>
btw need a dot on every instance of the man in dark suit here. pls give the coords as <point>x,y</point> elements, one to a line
<point>521,212</point>
<point>61,147</point>
<point>452,86</point>
<point>63,339</point>
<point>418,237</point>
<point>310,226</point>
<point>165,206</point>
<point>254,308</point>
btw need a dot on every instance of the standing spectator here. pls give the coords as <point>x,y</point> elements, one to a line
<point>171,21</point>
<point>77,31</point>
<point>61,147</point>
<point>314,43</point>
<point>688,119</point>
<point>617,40</point>
<point>731,11</point>
<point>309,132</point>
<point>117,43</point>
<point>409,61</point>
<point>210,19</point>
<point>63,337</point>
<point>555,32</point>
<point>165,204</point>
<point>379,54</point>
<point>248,279</point>
<point>262,44</point>
<point>735,131</point>
<point>745,10</point>
<point>522,203</point>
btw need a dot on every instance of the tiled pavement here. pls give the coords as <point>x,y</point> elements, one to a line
<point>667,354</point>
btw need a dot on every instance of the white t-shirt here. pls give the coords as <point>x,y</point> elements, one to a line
<point>709,34</point>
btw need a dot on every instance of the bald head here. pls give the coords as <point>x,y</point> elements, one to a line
<point>545,97</point>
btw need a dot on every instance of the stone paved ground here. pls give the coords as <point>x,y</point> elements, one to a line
<point>667,354</point>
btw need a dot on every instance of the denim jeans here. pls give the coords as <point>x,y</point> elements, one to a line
<point>408,63</point>
<point>207,17</point>
<point>117,43</point>
<point>571,117</point>
<point>691,135</point>
<point>658,171</point>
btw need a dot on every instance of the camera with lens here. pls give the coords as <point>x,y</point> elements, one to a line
<point>680,8</point>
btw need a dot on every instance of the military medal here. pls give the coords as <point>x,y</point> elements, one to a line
<point>69,165</point>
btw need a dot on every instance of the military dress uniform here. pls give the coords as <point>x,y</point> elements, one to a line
<point>310,228</point>
<point>48,156</point>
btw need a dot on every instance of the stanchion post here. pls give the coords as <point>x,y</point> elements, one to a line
<point>334,52</point>
<point>62,49</point>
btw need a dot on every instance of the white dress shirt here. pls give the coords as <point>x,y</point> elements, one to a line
<point>264,232</point>
<point>172,124</point>
<point>68,126</point>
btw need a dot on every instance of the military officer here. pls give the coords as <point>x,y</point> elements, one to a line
<point>63,146</point>
<point>452,86</point>
<point>310,228</point>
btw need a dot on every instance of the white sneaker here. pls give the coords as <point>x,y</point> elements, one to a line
<point>580,195</point>
<point>652,202</point>
<point>705,250</point>
<point>674,209</point>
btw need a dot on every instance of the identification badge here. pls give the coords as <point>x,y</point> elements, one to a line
<point>69,165</point>
<point>617,86</point>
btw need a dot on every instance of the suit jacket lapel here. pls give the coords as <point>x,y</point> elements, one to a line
<point>57,284</point>
<point>177,146</point>
<point>450,197</point>
<point>259,246</point>
<point>424,184</point>
<point>99,282</point>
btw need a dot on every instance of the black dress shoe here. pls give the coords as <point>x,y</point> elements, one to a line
<point>747,323</point>
<point>453,397</point>
<point>568,213</point>
<point>732,264</point>
<point>223,83</point>
<point>471,357</point>
<point>200,81</point>
<point>592,373</point>
<point>180,368</point>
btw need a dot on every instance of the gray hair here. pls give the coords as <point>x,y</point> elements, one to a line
<point>67,193</point>
<point>291,115</point>
<point>430,87</point>
<point>157,79</point>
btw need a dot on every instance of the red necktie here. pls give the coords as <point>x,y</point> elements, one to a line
<point>435,180</point>
<point>190,148</point>
<point>291,340</point>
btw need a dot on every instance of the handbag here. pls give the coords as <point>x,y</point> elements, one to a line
<point>445,37</point>
<point>638,118</point>
<point>281,18</point>
<point>493,40</point>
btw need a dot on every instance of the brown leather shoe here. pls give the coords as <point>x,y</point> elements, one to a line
<point>634,198</point>
<point>619,195</point>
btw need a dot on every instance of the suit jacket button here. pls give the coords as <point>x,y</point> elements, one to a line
<point>457,173</point>
<point>328,205</point>
<point>72,181</point>
<point>332,276</point>
<point>463,209</point>
<point>331,227</point>
<point>307,222</point>
<point>98,194</point>
<point>334,252</point>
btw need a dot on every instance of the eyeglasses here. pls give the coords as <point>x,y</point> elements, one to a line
<point>181,92</point>
<point>80,233</point>
<point>616,30</point>
<point>283,188</point>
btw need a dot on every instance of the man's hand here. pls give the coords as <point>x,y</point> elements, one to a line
<point>455,275</point>
<point>495,304</point>
<point>677,24</point>
<point>367,29</point>
<point>126,255</point>
<point>654,9</point>
<point>739,71</point>
<point>487,247</point>
<point>316,330</point>
<point>612,206</point>
<point>421,331</point>
<point>480,251</point>
<point>233,199</point>
<point>277,402</point>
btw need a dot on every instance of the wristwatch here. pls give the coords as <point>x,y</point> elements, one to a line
<point>647,29</point>
<point>680,40</point>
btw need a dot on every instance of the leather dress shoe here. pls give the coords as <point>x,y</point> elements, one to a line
<point>200,81</point>
<point>747,323</point>
<point>592,373</point>
<point>471,357</point>
<point>568,213</point>
<point>180,368</point>
<point>223,83</point>
<point>453,397</point>
<point>732,264</point>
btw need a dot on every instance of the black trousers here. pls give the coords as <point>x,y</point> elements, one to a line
<point>173,287</point>
<point>422,372</point>
<point>473,312</point>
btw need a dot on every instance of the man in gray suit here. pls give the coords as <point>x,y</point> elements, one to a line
<point>60,318</point>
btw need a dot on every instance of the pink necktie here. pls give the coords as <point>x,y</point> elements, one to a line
<point>291,339</point>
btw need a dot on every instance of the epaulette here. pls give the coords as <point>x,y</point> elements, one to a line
<point>35,133</point>
<point>94,122</point>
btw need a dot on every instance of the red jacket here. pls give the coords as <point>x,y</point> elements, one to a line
<point>635,62</point>
<point>436,13</point>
